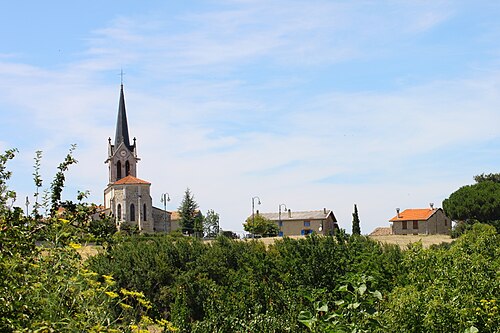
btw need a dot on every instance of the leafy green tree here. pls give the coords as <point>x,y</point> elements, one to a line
<point>479,202</point>
<point>211,224</point>
<point>261,225</point>
<point>58,183</point>
<point>198,224</point>
<point>188,212</point>
<point>493,177</point>
<point>356,229</point>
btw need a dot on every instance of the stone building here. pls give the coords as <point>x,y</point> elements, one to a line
<point>427,221</point>
<point>304,222</point>
<point>126,197</point>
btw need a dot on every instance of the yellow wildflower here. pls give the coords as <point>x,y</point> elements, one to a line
<point>125,306</point>
<point>75,245</point>
<point>146,320</point>
<point>109,280</point>
<point>111,294</point>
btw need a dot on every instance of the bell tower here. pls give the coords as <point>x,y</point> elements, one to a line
<point>122,156</point>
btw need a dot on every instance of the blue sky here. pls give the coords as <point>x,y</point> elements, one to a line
<point>309,103</point>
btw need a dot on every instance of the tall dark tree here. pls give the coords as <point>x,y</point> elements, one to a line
<point>356,229</point>
<point>188,212</point>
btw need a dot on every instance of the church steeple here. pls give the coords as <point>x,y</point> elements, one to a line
<point>121,123</point>
<point>122,156</point>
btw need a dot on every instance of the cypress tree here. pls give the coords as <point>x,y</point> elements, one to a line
<point>356,229</point>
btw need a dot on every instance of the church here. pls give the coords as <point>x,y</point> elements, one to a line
<point>127,198</point>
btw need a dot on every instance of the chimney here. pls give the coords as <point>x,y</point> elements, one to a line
<point>289,213</point>
<point>432,205</point>
<point>324,211</point>
<point>397,211</point>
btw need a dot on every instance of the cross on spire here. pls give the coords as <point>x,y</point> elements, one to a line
<point>121,76</point>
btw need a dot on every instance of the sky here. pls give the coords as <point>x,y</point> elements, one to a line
<point>311,104</point>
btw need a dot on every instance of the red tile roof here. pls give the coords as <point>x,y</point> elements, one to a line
<point>414,215</point>
<point>131,180</point>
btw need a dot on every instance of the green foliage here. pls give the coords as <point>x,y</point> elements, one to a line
<point>260,225</point>
<point>229,234</point>
<point>37,179</point>
<point>447,287</point>
<point>5,193</point>
<point>491,177</point>
<point>211,224</point>
<point>58,182</point>
<point>47,288</point>
<point>479,202</point>
<point>357,310</point>
<point>229,285</point>
<point>356,228</point>
<point>189,214</point>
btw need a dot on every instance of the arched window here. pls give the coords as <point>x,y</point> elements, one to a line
<point>127,168</point>
<point>144,212</point>
<point>119,212</point>
<point>118,170</point>
<point>132,212</point>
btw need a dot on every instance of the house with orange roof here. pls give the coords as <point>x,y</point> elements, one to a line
<point>426,221</point>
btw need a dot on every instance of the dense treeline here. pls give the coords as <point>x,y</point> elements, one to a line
<point>231,286</point>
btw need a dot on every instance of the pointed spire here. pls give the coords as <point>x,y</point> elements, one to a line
<point>121,123</point>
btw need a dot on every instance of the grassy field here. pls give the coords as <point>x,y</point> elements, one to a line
<point>404,240</point>
<point>89,251</point>
<point>401,240</point>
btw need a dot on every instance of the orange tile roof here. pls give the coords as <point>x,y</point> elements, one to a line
<point>131,180</point>
<point>414,215</point>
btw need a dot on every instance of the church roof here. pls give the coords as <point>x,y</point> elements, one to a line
<point>131,180</point>
<point>121,123</point>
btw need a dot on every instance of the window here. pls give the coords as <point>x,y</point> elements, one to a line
<point>144,212</point>
<point>118,170</point>
<point>119,212</point>
<point>307,223</point>
<point>280,233</point>
<point>127,168</point>
<point>405,224</point>
<point>415,224</point>
<point>305,232</point>
<point>132,212</point>
<point>280,223</point>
